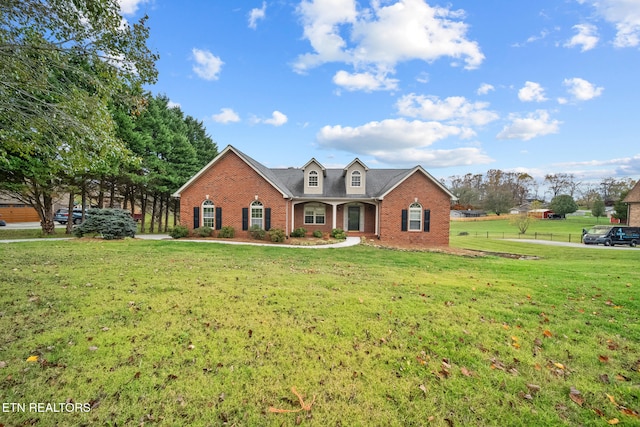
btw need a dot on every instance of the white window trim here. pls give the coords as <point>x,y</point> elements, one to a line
<point>415,208</point>
<point>318,210</point>
<point>256,206</point>
<point>355,174</point>
<point>316,182</point>
<point>208,207</point>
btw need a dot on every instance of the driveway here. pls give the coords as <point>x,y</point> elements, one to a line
<point>572,245</point>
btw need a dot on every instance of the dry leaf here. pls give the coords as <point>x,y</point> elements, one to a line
<point>603,359</point>
<point>575,395</point>
<point>613,421</point>
<point>32,359</point>
<point>423,388</point>
<point>612,399</point>
<point>547,333</point>
<point>465,372</point>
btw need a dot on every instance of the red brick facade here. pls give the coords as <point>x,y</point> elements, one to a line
<point>418,187</point>
<point>233,185</point>
<point>233,182</point>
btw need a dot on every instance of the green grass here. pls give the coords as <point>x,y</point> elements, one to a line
<point>178,333</point>
<point>566,230</point>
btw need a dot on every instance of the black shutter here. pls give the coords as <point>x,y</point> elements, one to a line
<point>267,219</point>
<point>405,215</point>
<point>245,218</point>
<point>218,218</point>
<point>427,219</point>
<point>196,216</point>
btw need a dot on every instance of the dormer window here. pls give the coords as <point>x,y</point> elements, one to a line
<point>313,179</point>
<point>356,179</point>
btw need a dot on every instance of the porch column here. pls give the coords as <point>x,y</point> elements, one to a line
<point>377,218</point>
<point>293,217</point>
<point>335,213</point>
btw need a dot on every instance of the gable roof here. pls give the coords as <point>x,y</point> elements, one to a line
<point>356,160</point>
<point>313,160</point>
<point>290,181</point>
<point>634,194</point>
<point>260,169</point>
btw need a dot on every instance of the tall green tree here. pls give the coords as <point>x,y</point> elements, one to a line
<point>563,204</point>
<point>61,61</point>
<point>598,208</point>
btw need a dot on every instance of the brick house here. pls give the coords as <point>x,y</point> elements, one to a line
<point>399,206</point>
<point>633,206</point>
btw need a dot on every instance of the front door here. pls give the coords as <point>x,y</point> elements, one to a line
<point>353,223</point>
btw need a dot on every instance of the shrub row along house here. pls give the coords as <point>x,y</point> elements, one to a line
<point>399,206</point>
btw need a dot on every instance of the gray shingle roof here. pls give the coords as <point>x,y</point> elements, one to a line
<point>290,182</point>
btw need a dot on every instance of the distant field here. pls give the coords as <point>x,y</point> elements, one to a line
<point>177,333</point>
<point>569,229</point>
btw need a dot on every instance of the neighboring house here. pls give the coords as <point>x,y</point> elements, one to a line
<point>467,213</point>
<point>633,206</point>
<point>13,210</point>
<point>399,206</point>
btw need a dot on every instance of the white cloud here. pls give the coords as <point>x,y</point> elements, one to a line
<point>398,141</point>
<point>207,65</point>
<point>388,135</point>
<point>581,89</point>
<point>454,109</point>
<point>226,115</point>
<point>364,81</point>
<point>277,119</point>
<point>531,92</point>
<point>625,16</point>
<point>587,37</point>
<point>172,104</point>
<point>129,7</point>
<point>382,36</point>
<point>485,88</point>
<point>535,124</point>
<point>257,14</point>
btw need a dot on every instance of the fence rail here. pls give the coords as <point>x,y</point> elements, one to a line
<point>558,237</point>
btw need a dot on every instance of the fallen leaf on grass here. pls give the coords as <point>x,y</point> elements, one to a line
<point>603,359</point>
<point>32,359</point>
<point>613,421</point>
<point>547,333</point>
<point>423,388</point>
<point>466,372</point>
<point>575,395</point>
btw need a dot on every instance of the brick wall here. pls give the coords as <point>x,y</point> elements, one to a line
<point>634,215</point>
<point>430,196</point>
<point>232,185</point>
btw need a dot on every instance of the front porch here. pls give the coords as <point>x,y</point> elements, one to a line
<point>357,217</point>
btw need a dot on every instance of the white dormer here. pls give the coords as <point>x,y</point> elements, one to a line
<point>355,177</point>
<point>314,174</point>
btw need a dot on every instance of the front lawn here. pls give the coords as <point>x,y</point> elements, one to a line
<point>176,333</point>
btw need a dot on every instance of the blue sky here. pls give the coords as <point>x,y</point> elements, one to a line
<point>457,86</point>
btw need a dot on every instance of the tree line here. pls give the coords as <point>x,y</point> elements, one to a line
<point>74,118</point>
<point>499,191</point>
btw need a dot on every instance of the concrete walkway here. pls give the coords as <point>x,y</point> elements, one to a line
<point>349,241</point>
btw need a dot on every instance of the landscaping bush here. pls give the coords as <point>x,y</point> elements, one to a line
<point>179,231</point>
<point>299,232</point>
<point>256,232</point>
<point>110,223</point>
<point>277,235</point>
<point>338,233</point>
<point>203,231</point>
<point>227,232</point>
<point>317,234</point>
